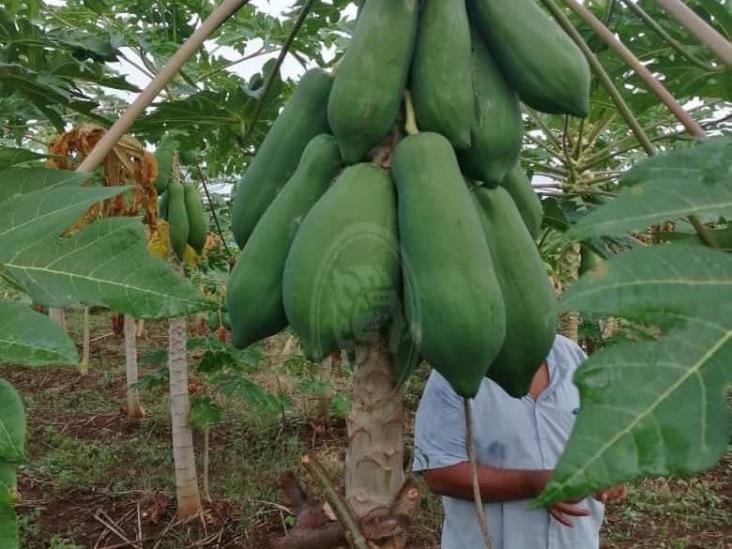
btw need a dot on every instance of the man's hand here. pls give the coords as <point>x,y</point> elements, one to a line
<point>612,495</point>
<point>561,512</point>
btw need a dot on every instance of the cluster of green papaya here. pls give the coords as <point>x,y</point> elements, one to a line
<point>217,319</point>
<point>180,205</point>
<point>350,234</point>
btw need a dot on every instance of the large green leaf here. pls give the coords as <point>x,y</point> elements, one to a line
<point>107,263</point>
<point>18,181</point>
<point>28,337</point>
<point>694,180</point>
<point>654,407</point>
<point>8,521</point>
<point>11,156</point>
<point>12,424</point>
<point>34,207</point>
<point>8,475</point>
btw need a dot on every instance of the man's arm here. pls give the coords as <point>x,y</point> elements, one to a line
<point>499,485</point>
<point>495,484</point>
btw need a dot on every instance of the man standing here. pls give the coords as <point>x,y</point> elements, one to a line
<point>518,442</point>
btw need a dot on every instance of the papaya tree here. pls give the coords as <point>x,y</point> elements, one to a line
<point>53,267</point>
<point>335,266</point>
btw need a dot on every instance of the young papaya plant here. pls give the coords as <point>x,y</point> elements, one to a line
<point>37,205</point>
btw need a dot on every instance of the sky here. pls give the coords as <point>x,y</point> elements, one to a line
<point>290,67</point>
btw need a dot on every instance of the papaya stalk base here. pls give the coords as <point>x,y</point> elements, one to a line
<point>315,527</point>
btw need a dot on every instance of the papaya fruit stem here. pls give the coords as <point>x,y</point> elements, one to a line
<point>470,446</point>
<point>410,125</point>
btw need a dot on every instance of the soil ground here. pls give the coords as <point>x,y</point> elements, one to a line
<point>95,480</point>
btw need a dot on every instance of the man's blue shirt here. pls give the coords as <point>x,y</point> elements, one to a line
<point>510,433</point>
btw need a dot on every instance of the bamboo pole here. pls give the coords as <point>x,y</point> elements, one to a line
<point>699,28</point>
<point>105,145</point>
<point>631,60</point>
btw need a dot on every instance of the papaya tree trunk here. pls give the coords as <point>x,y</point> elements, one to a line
<point>58,315</point>
<point>134,409</point>
<point>375,458</point>
<point>186,478</point>
<point>569,265</point>
<point>84,366</point>
<point>141,328</point>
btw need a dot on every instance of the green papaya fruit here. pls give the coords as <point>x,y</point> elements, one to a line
<point>213,321</point>
<point>304,117</point>
<point>341,276</point>
<point>177,218</point>
<point>497,127</point>
<point>539,60</point>
<point>452,298</point>
<point>531,306</point>
<point>217,319</point>
<point>371,78</point>
<point>518,185</point>
<point>441,70</point>
<point>197,222</point>
<point>402,347</point>
<point>164,156</point>
<point>589,260</point>
<point>163,203</point>
<point>254,295</point>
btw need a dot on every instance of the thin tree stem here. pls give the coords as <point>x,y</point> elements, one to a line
<point>477,499</point>
<point>542,125</point>
<point>556,154</point>
<point>275,70</point>
<point>204,184</point>
<point>699,28</point>
<point>339,506</point>
<point>410,126</point>
<point>206,461</point>
<point>633,62</point>
<point>84,367</point>
<point>598,129</point>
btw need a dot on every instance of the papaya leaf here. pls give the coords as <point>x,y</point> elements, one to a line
<point>652,407</point>
<point>46,209</point>
<point>12,424</point>
<point>693,180</point>
<point>9,538</point>
<point>28,337</point>
<point>8,476</point>
<point>11,156</point>
<point>106,263</point>
<point>17,181</point>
